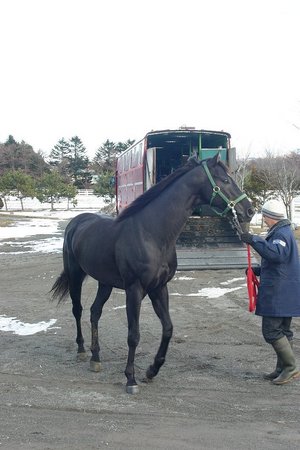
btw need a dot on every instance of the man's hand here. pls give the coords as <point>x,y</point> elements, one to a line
<point>255,270</point>
<point>247,238</point>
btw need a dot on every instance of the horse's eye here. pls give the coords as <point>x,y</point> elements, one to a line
<point>226,180</point>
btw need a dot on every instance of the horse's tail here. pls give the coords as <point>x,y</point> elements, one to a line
<point>60,289</point>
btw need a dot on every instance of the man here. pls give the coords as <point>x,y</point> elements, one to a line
<point>279,291</point>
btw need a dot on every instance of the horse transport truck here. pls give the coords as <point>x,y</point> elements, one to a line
<point>208,239</point>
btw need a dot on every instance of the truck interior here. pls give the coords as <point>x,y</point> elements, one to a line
<point>174,148</point>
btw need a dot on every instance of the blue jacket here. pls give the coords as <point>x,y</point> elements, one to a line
<point>279,290</point>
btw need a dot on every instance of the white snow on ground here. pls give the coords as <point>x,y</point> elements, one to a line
<point>232,281</point>
<point>42,221</point>
<point>85,200</point>
<point>214,292</point>
<point>33,227</point>
<point>24,329</point>
<point>48,245</point>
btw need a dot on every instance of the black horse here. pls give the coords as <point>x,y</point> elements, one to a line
<point>136,251</point>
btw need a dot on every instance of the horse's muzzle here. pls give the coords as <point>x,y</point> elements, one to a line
<point>244,221</point>
<point>246,216</point>
<point>244,226</point>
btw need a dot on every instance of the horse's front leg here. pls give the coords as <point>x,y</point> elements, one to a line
<point>102,296</point>
<point>160,301</point>
<point>134,296</point>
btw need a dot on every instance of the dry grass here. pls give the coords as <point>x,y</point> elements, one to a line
<point>5,221</point>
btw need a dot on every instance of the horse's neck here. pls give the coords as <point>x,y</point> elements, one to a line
<point>171,210</point>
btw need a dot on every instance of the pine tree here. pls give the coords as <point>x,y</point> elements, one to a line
<point>10,140</point>
<point>79,163</point>
<point>105,157</point>
<point>104,165</point>
<point>59,158</point>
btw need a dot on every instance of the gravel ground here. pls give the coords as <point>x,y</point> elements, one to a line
<point>209,394</point>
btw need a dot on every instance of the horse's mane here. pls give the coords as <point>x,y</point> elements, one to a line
<point>147,197</point>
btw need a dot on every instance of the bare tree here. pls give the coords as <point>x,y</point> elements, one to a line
<point>242,170</point>
<point>282,175</point>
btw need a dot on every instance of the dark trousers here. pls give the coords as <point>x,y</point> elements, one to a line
<point>274,328</point>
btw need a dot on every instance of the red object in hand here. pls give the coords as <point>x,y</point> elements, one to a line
<point>252,283</point>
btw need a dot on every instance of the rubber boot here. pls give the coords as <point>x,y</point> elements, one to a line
<point>278,369</point>
<point>276,372</point>
<point>285,354</point>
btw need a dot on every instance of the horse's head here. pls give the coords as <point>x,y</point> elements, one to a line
<point>225,195</point>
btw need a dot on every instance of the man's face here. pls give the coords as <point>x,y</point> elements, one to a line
<point>268,221</point>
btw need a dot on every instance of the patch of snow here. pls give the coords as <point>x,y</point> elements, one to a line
<point>15,326</point>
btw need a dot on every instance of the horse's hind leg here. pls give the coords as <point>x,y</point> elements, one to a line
<point>102,296</point>
<point>160,301</point>
<point>76,277</point>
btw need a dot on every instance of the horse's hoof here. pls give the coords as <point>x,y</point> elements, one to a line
<point>132,389</point>
<point>81,357</point>
<point>95,366</point>
<point>149,374</point>
<point>147,380</point>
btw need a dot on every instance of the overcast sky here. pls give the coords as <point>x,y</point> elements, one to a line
<point>117,69</point>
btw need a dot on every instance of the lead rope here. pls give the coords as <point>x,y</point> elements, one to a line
<point>235,221</point>
<point>252,283</point>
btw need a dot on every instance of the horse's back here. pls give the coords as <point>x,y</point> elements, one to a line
<point>88,226</point>
<point>90,241</point>
<point>87,218</point>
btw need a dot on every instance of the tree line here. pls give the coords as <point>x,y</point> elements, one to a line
<point>25,173</point>
<point>270,176</point>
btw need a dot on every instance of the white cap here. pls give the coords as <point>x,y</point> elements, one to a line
<point>274,209</point>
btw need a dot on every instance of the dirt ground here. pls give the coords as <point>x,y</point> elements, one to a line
<point>209,394</point>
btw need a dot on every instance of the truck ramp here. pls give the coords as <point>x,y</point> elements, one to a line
<point>211,243</point>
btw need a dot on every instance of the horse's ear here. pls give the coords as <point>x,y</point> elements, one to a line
<point>193,159</point>
<point>215,159</point>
